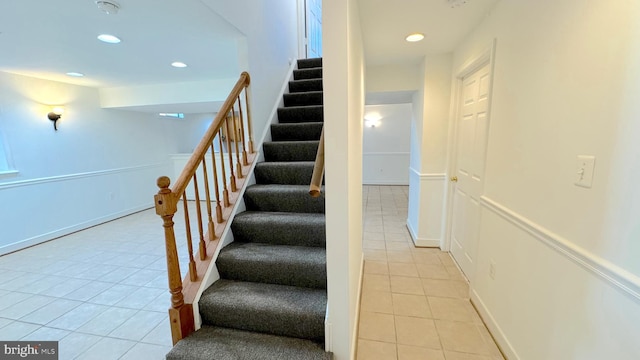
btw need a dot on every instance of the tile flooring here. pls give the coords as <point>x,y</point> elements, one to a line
<point>415,302</point>
<point>102,292</point>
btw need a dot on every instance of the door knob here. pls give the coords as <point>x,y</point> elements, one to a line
<point>454,178</point>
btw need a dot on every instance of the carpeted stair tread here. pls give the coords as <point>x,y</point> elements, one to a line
<point>290,172</point>
<point>296,131</point>
<point>290,150</point>
<point>267,308</point>
<point>303,99</point>
<point>298,114</point>
<point>282,198</point>
<point>302,266</point>
<point>228,344</point>
<point>305,85</point>
<point>309,63</point>
<point>307,73</point>
<point>295,229</point>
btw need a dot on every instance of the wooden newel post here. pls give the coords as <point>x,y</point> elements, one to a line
<point>180,314</point>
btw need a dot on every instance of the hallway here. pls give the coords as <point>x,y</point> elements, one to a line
<point>415,302</point>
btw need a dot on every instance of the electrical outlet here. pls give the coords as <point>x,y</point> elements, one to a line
<point>584,170</point>
<point>492,269</point>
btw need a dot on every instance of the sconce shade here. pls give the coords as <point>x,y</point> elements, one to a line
<point>55,115</point>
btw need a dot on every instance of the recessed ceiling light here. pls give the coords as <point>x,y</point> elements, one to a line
<point>178,64</point>
<point>111,39</point>
<point>75,74</point>
<point>414,37</point>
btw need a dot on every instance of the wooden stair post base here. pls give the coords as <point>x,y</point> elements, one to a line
<point>182,324</point>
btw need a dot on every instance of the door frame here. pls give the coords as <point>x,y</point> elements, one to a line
<point>302,29</point>
<point>474,63</point>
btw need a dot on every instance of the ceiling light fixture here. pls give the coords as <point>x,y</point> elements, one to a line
<point>75,74</point>
<point>110,39</point>
<point>178,64</point>
<point>108,7</point>
<point>414,37</point>
<point>372,119</point>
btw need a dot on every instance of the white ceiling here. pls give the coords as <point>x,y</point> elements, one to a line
<point>385,24</point>
<point>48,38</point>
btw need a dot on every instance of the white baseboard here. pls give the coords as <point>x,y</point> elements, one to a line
<point>356,328</point>
<point>501,339</point>
<point>418,242</point>
<point>69,230</point>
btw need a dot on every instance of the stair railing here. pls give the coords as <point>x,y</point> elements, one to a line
<point>234,134</point>
<point>318,169</point>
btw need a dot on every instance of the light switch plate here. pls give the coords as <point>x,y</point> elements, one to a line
<point>584,170</point>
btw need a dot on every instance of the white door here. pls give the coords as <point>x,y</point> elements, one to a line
<point>314,28</point>
<point>473,125</point>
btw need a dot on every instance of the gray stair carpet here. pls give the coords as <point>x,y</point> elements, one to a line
<point>310,231</point>
<point>296,114</point>
<point>213,343</point>
<point>296,131</point>
<point>270,301</point>
<point>284,172</point>
<point>275,151</point>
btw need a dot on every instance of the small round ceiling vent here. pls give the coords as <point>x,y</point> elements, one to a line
<point>456,3</point>
<point>108,7</point>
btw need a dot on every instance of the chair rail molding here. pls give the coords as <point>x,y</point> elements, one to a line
<point>613,274</point>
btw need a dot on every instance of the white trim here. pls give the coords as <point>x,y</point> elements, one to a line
<point>8,173</point>
<point>419,242</point>
<point>613,274</point>
<point>430,177</point>
<point>273,116</point>
<point>68,177</point>
<point>302,29</point>
<point>70,229</point>
<point>501,339</point>
<point>356,327</point>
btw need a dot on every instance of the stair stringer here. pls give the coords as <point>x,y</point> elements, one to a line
<point>212,275</point>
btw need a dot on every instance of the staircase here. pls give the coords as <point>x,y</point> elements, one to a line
<point>271,300</point>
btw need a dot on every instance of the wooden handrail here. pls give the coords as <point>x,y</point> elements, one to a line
<point>318,169</point>
<point>183,292</point>
<point>198,154</point>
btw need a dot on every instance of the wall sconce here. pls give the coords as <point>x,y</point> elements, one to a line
<point>372,120</point>
<point>55,115</point>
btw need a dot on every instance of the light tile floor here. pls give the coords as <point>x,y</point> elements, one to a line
<point>415,302</point>
<point>102,292</point>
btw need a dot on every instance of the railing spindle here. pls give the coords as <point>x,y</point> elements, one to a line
<point>203,247</point>
<point>232,176</point>
<point>210,228</point>
<point>225,192</point>
<point>235,141</point>
<point>249,122</point>
<point>245,160</point>
<point>216,186</point>
<point>193,275</point>
<point>184,293</point>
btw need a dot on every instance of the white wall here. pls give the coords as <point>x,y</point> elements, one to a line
<point>343,109</point>
<point>99,165</point>
<point>271,30</point>
<point>429,133</point>
<point>567,282</point>
<point>386,146</point>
